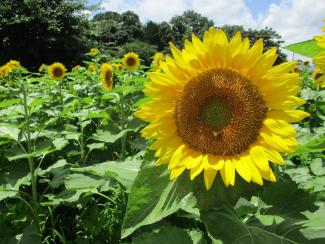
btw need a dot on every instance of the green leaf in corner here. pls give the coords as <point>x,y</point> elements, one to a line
<point>9,131</point>
<point>153,196</point>
<point>166,235</point>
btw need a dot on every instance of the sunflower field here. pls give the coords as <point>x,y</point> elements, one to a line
<point>212,143</point>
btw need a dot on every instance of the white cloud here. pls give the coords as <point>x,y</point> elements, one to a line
<point>294,20</point>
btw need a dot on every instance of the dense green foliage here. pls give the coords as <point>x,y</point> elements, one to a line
<point>42,31</point>
<point>70,160</point>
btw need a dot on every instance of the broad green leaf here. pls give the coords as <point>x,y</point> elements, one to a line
<point>98,114</point>
<point>315,145</point>
<point>317,167</point>
<point>60,143</point>
<point>166,235</point>
<point>9,102</point>
<point>75,182</point>
<point>306,48</point>
<point>94,146</point>
<point>125,172</point>
<point>9,131</point>
<point>153,196</point>
<point>219,194</point>
<point>108,137</point>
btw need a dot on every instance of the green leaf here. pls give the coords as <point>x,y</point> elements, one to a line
<point>9,131</point>
<point>60,143</point>
<point>306,48</point>
<point>8,103</point>
<point>125,172</point>
<point>166,235</point>
<point>108,137</point>
<point>98,114</point>
<point>94,146</point>
<point>219,194</point>
<point>317,167</point>
<point>75,182</point>
<point>315,145</point>
<point>153,196</point>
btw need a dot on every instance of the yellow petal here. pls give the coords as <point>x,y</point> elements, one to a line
<point>228,173</point>
<point>196,171</point>
<point>274,156</point>
<point>242,167</point>
<point>255,173</point>
<point>289,115</point>
<point>177,157</point>
<point>259,158</point>
<point>269,175</point>
<point>209,176</point>
<point>280,127</point>
<point>176,172</point>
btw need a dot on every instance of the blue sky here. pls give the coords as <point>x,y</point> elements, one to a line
<point>294,20</point>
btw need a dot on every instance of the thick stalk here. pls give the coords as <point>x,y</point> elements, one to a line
<point>29,145</point>
<point>123,124</point>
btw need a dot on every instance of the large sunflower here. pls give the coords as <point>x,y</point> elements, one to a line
<point>131,61</point>
<point>56,71</point>
<point>106,76</point>
<point>221,106</point>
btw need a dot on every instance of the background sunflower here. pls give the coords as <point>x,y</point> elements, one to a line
<point>56,71</point>
<point>106,76</point>
<point>131,61</point>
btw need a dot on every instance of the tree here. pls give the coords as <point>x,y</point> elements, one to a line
<point>158,34</point>
<point>189,22</point>
<point>42,31</point>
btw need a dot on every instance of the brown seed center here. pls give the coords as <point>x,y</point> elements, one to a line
<point>130,61</point>
<point>57,72</point>
<point>219,112</point>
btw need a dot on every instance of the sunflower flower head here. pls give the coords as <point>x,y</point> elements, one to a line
<point>117,66</point>
<point>56,71</point>
<point>319,61</point>
<point>106,76</point>
<point>75,68</point>
<point>92,68</point>
<point>131,61</point>
<point>42,68</point>
<point>10,66</point>
<point>318,77</point>
<point>157,59</point>
<point>94,52</point>
<point>221,106</point>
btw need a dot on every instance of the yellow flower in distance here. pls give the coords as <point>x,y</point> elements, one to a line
<point>10,66</point>
<point>221,106</point>
<point>94,52</point>
<point>75,68</point>
<point>106,76</point>
<point>319,61</point>
<point>157,59</point>
<point>117,66</point>
<point>42,68</point>
<point>319,77</point>
<point>131,61</point>
<point>56,71</point>
<point>92,68</point>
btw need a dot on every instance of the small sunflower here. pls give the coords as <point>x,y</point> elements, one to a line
<point>94,52</point>
<point>11,65</point>
<point>75,68</point>
<point>106,76</point>
<point>42,68</point>
<point>56,71</point>
<point>157,59</point>
<point>92,68</point>
<point>117,66</point>
<point>306,62</point>
<point>131,61</point>
<point>221,106</point>
<point>319,77</point>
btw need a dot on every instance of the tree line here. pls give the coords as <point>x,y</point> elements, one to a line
<point>44,31</point>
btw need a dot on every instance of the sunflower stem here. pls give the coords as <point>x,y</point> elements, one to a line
<point>29,145</point>
<point>123,124</point>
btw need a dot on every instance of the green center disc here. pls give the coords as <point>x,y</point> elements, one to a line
<point>216,113</point>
